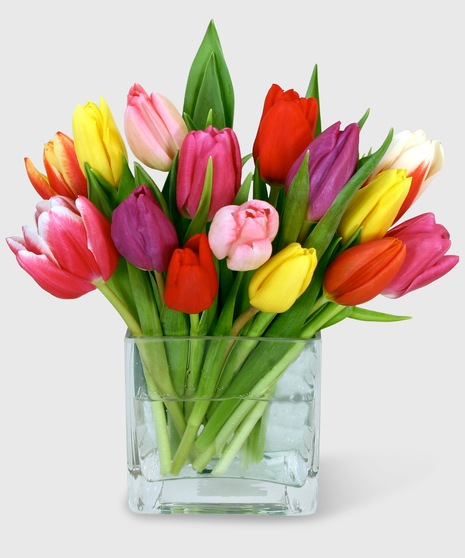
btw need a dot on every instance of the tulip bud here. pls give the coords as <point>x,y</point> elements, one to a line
<point>375,207</point>
<point>332,161</point>
<point>427,243</point>
<point>98,141</point>
<point>243,234</point>
<point>281,280</point>
<point>71,251</point>
<point>363,272</point>
<point>63,174</point>
<point>223,147</point>
<point>142,233</point>
<point>423,159</point>
<point>154,128</point>
<point>286,129</point>
<point>191,281</point>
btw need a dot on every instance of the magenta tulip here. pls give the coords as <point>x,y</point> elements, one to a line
<point>427,243</point>
<point>142,233</point>
<point>154,128</point>
<point>243,234</point>
<point>72,249</point>
<point>332,161</point>
<point>223,147</point>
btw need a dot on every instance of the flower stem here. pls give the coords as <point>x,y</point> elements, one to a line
<point>122,310</point>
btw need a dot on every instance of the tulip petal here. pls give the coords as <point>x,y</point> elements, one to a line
<point>54,280</point>
<point>65,153</point>
<point>39,181</point>
<point>99,241</point>
<point>246,258</point>
<point>65,234</point>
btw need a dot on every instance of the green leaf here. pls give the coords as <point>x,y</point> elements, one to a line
<point>127,183</point>
<point>372,316</point>
<point>259,187</point>
<point>199,221</point>
<point>354,240</point>
<point>323,233</point>
<point>203,82</point>
<point>362,121</point>
<point>142,177</point>
<point>145,301</point>
<point>209,105</point>
<point>295,206</point>
<point>313,91</point>
<point>189,122</point>
<point>102,194</point>
<point>246,158</point>
<point>169,194</point>
<point>243,194</point>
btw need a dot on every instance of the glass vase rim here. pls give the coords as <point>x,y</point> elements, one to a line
<point>159,338</point>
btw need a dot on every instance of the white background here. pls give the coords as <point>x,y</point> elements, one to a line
<point>392,464</point>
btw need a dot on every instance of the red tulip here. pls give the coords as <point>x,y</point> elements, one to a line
<point>286,128</point>
<point>363,272</point>
<point>192,281</point>
<point>72,250</point>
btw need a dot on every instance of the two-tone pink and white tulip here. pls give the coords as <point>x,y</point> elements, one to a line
<point>222,146</point>
<point>427,243</point>
<point>63,173</point>
<point>71,251</point>
<point>142,233</point>
<point>422,159</point>
<point>243,234</point>
<point>154,128</point>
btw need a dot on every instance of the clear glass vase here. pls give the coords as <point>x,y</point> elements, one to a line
<point>220,425</point>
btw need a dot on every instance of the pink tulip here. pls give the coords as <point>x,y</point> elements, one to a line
<point>142,233</point>
<point>243,234</point>
<point>425,262</point>
<point>223,147</point>
<point>423,159</point>
<point>64,175</point>
<point>71,251</point>
<point>154,128</point>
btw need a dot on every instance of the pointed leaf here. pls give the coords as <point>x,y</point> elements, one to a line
<point>127,182</point>
<point>199,221</point>
<point>295,206</point>
<point>364,118</point>
<point>100,193</point>
<point>209,100</point>
<point>210,45</point>
<point>243,194</point>
<point>312,91</point>
<point>323,233</point>
<point>189,122</point>
<point>371,316</point>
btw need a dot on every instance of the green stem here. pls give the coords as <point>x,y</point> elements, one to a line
<point>161,286</point>
<point>304,231</point>
<point>274,195</point>
<point>240,436</point>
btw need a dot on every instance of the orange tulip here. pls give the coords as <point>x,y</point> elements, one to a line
<point>363,272</point>
<point>64,176</point>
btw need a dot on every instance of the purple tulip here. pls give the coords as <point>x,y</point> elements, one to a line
<point>222,146</point>
<point>425,262</point>
<point>332,161</point>
<point>142,233</point>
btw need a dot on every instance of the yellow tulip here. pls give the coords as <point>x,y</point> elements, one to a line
<point>97,141</point>
<point>375,206</point>
<point>282,279</point>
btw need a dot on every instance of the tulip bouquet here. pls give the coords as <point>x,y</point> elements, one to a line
<point>292,248</point>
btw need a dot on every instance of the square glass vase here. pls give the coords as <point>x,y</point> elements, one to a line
<point>223,425</point>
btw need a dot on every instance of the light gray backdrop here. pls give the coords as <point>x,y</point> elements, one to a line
<point>392,399</point>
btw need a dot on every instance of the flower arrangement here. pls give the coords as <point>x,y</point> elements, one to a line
<point>296,246</point>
